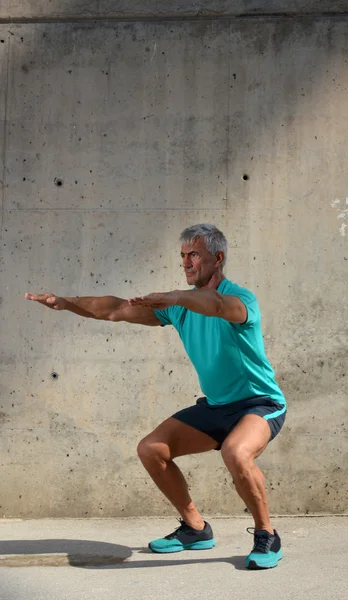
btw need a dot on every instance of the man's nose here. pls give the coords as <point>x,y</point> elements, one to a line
<point>186,261</point>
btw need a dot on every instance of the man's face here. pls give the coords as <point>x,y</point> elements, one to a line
<point>199,265</point>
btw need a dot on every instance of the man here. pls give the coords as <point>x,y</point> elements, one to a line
<point>242,408</point>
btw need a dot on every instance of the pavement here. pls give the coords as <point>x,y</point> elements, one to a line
<point>99,559</point>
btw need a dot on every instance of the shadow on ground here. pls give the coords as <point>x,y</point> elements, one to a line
<point>56,552</point>
<point>91,554</point>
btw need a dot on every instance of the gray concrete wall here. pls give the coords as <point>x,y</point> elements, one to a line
<point>150,126</point>
<point>65,9</point>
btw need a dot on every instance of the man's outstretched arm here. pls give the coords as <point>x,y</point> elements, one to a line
<point>106,308</point>
<point>206,302</point>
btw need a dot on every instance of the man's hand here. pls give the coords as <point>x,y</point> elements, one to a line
<point>157,301</point>
<point>49,300</point>
<point>104,308</point>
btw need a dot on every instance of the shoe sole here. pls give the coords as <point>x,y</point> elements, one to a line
<point>253,566</point>
<point>203,545</point>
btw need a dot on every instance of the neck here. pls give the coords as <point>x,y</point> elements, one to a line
<point>213,282</point>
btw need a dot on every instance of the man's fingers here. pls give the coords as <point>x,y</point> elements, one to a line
<point>49,298</point>
<point>136,300</point>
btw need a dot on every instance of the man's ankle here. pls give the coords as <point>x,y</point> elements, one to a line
<point>197,524</point>
<point>269,529</point>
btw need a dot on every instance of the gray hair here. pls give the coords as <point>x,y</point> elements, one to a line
<point>214,239</point>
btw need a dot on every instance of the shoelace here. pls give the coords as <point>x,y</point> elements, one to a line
<point>183,527</point>
<point>262,540</point>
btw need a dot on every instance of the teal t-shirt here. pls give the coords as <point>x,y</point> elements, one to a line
<point>229,358</point>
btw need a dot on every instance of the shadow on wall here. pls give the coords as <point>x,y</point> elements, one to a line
<point>115,116</point>
<point>122,116</point>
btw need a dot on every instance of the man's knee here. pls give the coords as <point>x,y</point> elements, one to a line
<point>237,457</point>
<point>153,451</point>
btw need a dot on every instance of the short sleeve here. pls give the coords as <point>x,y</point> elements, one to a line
<point>163,316</point>
<point>173,315</point>
<point>250,301</point>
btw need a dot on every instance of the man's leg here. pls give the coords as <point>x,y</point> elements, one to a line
<point>239,450</point>
<point>157,450</point>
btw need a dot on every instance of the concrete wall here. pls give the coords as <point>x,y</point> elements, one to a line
<point>150,127</point>
<point>94,9</point>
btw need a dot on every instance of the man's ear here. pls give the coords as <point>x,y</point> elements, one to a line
<point>220,257</point>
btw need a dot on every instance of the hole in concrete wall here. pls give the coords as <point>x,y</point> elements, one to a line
<point>54,375</point>
<point>58,181</point>
<point>245,177</point>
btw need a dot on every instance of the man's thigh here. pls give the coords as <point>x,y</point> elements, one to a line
<point>180,438</point>
<point>251,436</point>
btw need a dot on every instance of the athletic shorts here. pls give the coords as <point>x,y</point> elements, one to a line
<point>219,420</point>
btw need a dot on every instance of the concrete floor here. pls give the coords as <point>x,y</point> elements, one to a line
<point>313,567</point>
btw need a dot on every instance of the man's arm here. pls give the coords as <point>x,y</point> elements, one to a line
<point>206,302</point>
<point>214,304</point>
<point>106,308</point>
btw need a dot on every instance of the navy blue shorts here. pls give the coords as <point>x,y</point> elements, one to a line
<point>217,421</point>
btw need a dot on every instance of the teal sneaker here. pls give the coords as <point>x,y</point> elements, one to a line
<point>185,538</point>
<point>266,551</point>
